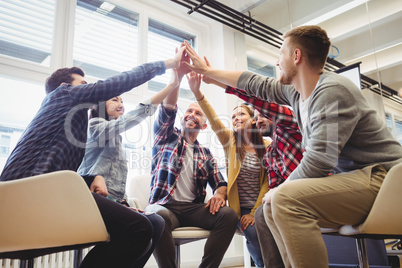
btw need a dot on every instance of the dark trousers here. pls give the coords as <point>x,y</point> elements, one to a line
<point>130,235</point>
<point>180,214</point>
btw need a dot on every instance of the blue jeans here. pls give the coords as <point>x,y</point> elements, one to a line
<point>158,225</point>
<point>253,244</point>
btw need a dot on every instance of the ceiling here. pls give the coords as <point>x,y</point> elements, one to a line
<point>366,31</point>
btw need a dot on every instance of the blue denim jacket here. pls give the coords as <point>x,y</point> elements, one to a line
<point>104,154</point>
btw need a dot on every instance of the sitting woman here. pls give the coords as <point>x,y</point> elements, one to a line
<point>104,154</point>
<point>244,149</point>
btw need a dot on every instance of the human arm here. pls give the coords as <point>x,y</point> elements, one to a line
<point>171,99</point>
<point>223,133</point>
<point>161,95</point>
<point>331,125</point>
<point>108,88</point>
<point>98,186</point>
<point>200,66</point>
<point>218,200</point>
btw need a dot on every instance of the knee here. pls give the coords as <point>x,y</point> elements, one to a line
<point>157,221</point>
<point>229,215</point>
<point>280,202</point>
<point>139,231</point>
<point>259,215</point>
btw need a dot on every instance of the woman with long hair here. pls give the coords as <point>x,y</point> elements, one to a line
<point>104,153</point>
<point>244,149</point>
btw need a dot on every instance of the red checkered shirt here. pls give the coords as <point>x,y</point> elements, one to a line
<point>285,151</point>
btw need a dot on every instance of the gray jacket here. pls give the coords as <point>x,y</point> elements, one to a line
<point>342,132</point>
<point>104,154</point>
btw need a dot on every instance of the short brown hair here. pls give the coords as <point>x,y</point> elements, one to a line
<point>63,75</point>
<point>311,40</point>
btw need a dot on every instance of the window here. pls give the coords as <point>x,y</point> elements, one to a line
<point>5,144</point>
<point>398,128</point>
<point>394,124</point>
<point>105,39</point>
<point>260,67</point>
<point>162,42</point>
<point>21,101</point>
<point>26,29</point>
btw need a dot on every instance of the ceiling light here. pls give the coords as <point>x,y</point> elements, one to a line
<point>336,12</point>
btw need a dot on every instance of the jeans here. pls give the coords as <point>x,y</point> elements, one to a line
<point>253,244</point>
<point>158,224</point>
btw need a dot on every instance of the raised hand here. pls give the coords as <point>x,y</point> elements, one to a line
<point>199,65</point>
<point>194,82</point>
<point>183,69</point>
<point>174,62</point>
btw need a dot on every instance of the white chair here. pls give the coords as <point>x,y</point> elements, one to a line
<point>138,192</point>
<point>46,214</point>
<point>384,220</point>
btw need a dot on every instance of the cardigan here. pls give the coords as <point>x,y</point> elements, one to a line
<point>226,138</point>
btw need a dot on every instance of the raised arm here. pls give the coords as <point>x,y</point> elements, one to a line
<point>161,95</point>
<point>201,67</point>
<point>223,133</point>
<point>171,99</point>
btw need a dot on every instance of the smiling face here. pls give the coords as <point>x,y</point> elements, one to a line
<point>194,118</point>
<point>285,63</point>
<point>115,107</point>
<point>263,124</point>
<point>242,119</point>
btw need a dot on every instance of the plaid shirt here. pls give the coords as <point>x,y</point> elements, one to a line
<point>285,151</point>
<point>168,155</point>
<point>55,139</point>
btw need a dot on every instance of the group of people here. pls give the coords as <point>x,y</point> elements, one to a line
<point>323,165</point>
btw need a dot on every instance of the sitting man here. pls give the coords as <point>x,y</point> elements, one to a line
<point>342,136</point>
<point>181,169</point>
<point>55,140</point>
<point>282,156</point>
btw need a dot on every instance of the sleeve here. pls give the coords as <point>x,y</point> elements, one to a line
<point>217,126</point>
<point>116,85</point>
<point>104,129</point>
<point>88,179</point>
<point>332,120</point>
<point>266,88</point>
<point>215,177</point>
<point>164,125</point>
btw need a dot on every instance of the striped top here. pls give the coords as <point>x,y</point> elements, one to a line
<point>248,180</point>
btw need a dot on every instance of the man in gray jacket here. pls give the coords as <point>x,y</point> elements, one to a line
<point>342,135</point>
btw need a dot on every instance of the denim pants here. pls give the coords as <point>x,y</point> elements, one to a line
<point>253,244</point>
<point>181,214</point>
<point>158,224</point>
<point>299,208</point>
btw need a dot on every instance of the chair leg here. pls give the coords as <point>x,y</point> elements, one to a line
<point>247,257</point>
<point>177,260</point>
<point>362,252</point>
<point>77,258</point>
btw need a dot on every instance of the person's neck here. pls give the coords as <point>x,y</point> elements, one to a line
<point>190,137</point>
<point>306,82</point>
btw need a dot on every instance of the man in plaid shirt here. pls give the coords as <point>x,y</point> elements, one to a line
<point>285,151</point>
<point>55,140</point>
<point>282,156</point>
<point>181,169</point>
